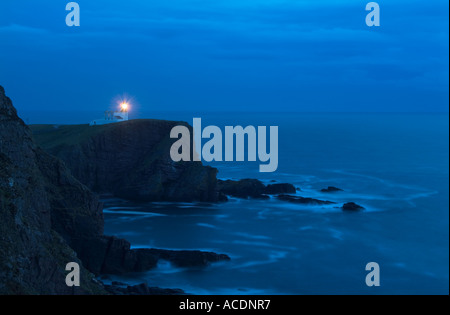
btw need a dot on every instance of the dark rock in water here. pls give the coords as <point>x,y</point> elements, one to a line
<point>331,189</point>
<point>252,188</point>
<point>186,258</point>
<point>131,160</point>
<point>111,255</point>
<point>303,200</point>
<point>244,188</point>
<point>276,189</point>
<point>351,206</point>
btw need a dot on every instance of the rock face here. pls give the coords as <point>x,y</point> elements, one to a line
<point>48,219</point>
<point>253,188</point>
<point>131,160</point>
<point>38,199</point>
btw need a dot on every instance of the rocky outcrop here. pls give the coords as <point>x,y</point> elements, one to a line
<point>351,206</point>
<point>304,200</point>
<point>244,188</point>
<point>48,219</point>
<point>275,189</point>
<point>111,255</point>
<point>186,258</point>
<point>131,160</point>
<point>331,189</point>
<point>253,188</point>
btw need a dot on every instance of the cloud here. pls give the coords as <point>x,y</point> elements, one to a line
<point>199,47</point>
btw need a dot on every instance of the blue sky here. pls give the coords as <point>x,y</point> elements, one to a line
<point>226,55</point>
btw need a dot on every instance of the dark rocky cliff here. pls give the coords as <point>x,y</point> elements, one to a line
<point>131,160</point>
<point>38,199</point>
<point>48,219</point>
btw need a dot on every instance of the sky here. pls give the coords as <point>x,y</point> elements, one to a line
<point>226,55</point>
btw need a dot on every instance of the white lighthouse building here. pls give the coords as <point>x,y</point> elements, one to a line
<point>112,116</point>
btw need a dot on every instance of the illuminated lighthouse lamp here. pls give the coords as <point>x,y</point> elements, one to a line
<point>113,116</point>
<point>124,107</point>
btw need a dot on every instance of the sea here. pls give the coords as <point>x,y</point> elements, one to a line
<point>396,165</point>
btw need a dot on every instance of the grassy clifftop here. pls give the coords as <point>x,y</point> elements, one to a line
<point>53,136</point>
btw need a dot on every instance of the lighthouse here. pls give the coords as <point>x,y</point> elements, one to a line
<point>113,116</point>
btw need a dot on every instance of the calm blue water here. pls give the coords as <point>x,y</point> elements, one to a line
<point>395,165</point>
